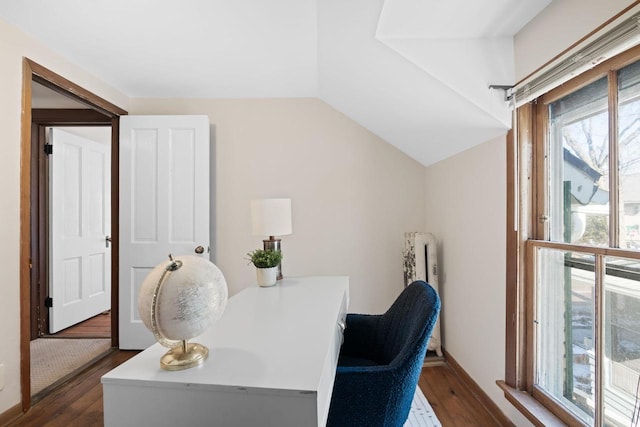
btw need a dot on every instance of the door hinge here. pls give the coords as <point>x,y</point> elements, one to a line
<point>48,149</point>
<point>48,302</point>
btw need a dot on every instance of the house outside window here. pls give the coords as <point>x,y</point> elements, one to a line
<point>578,261</point>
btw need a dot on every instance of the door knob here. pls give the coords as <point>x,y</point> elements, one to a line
<point>199,250</point>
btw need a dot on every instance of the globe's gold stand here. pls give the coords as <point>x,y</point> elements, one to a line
<point>182,355</point>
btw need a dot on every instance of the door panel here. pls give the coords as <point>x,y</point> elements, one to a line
<point>80,206</point>
<point>164,204</point>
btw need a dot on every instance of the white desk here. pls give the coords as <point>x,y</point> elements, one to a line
<point>272,362</point>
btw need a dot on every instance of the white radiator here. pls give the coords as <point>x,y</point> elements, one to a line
<point>420,263</point>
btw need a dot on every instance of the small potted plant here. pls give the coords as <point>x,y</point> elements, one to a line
<point>266,263</point>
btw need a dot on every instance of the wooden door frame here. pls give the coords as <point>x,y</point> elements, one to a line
<point>40,120</point>
<point>33,72</point>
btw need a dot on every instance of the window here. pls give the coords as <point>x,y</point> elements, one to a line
<point>577,257</point>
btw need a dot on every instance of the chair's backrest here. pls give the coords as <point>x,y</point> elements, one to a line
<point>381,395</point>
<point>404,330</point>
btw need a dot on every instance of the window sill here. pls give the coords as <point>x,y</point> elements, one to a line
<point>529,407</point>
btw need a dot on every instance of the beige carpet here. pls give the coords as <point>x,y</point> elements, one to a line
<point>53,359</point>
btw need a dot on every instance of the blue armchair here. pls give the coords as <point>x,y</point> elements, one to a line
<point>381,360</point>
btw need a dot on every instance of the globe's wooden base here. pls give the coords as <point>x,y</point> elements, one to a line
<point>184,356</point>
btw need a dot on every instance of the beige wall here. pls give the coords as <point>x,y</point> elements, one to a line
<point>466,211</point>
<point>353,195</point>
<point>13,46</point>
<point>559,26</point>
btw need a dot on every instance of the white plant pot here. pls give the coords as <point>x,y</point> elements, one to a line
<point>267,276</point>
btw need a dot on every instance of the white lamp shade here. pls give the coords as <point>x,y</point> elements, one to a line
<point>271,217</point>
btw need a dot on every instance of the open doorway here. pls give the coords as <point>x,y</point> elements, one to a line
<point>71,308</point>
<point>52,102</point>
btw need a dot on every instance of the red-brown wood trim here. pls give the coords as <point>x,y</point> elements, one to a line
<point>532,190</point>
<point>511,345</point>
<point>38,232</point>
<point>115,229</point>
<point>540,144</point>
<point>56,82</point>
<point>518,229</point>
<point>41,262</point>
<point>34,196</point>
<point>557,409</point>
<point>32,71</point>
<point>69,117</point>
<point>533,410</point>
<point>41,118</point>
<point>526,194</point>
<point>25,238</point>
<point>493,409</point>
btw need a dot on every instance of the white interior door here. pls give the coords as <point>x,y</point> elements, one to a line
<point>164,204</point>
<point>80,221</point>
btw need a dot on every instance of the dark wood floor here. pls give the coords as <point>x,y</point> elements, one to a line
<point>79,402</point>
<point>96,327</point>
<point>451,400</point>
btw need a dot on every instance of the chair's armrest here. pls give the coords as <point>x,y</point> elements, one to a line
<point>366,383</point>
<point>359,334</point>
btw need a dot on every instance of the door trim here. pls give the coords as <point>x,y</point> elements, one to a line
<point>31,71</point>
<point>41,119</point>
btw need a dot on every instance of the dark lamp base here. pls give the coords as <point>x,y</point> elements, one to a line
<point>273,244</point>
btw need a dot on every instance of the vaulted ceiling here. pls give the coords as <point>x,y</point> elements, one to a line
<point>414,72</point>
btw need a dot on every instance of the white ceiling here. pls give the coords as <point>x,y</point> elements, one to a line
<point>414,72</point>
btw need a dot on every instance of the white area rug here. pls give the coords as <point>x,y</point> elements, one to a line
<point>421,414</point>
<point>54,358</point>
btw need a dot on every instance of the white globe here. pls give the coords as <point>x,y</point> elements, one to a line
<point>192,296</point>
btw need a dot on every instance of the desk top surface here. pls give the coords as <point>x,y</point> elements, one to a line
<point>270,338</point>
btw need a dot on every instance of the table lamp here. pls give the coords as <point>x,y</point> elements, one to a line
<point>271,217</point>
